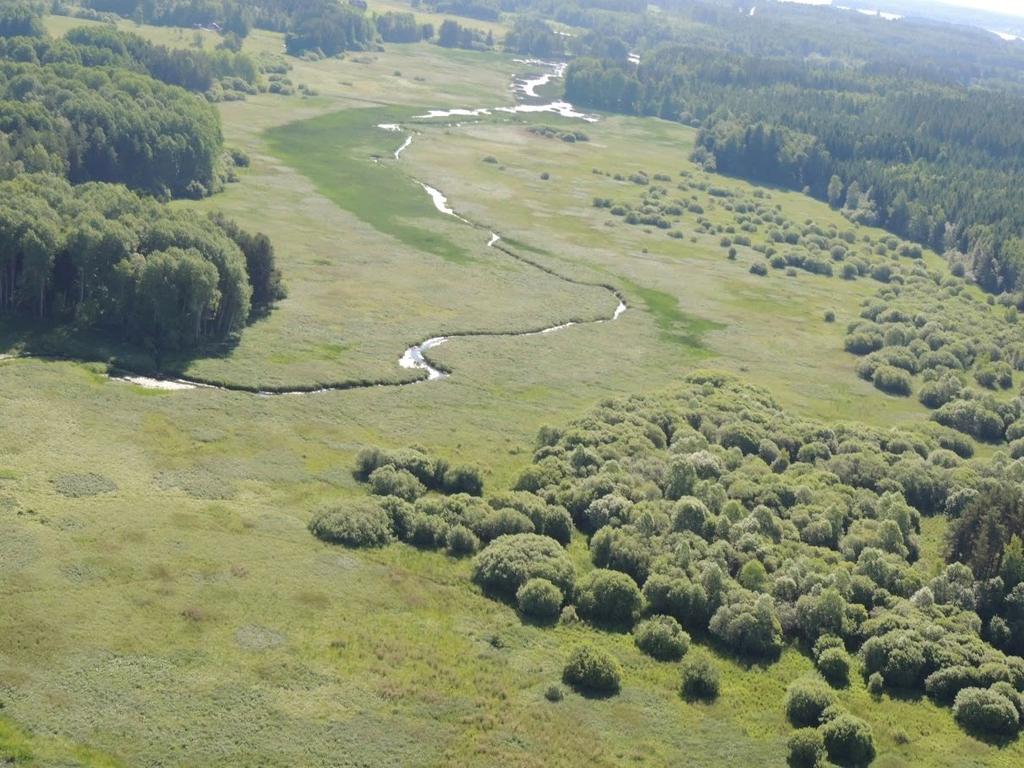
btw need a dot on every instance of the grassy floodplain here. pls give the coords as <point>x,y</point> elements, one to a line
<point>162,601</point>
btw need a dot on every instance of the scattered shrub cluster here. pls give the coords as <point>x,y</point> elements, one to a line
<point>963,350</point>
<point>413,464</point>
<point>712,510</point>
<point>736,519</point>
<point>570,137</point>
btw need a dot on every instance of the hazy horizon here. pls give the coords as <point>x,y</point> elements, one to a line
<point>1009,7</point>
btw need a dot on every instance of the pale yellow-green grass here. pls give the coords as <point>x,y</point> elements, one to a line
<point>188,618</point>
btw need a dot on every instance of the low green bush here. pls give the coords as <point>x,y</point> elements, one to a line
<point>508,562</point>
<point>608,597</point>
<point>389,481</point>
<point>699,679</point>
<point>848,740</point>
<point>834,665</point>
<point>805,701</point>
<point>539,599</point>
<point>806,749</point>
<point>893,380</point>
<point>662,638</point>
<point>985,711</point>
<point>462,541</point>
<point>358,524</point>
<point>592,670</point>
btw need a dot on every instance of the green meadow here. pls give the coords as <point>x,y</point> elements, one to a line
<point>161,600</point>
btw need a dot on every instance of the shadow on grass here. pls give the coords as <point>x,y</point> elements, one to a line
<point>57,341</point>
<point>593,694</point>
<point>1000,741</point>
<point>538,622</point>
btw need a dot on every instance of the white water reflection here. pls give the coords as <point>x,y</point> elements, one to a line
<point>524,87</point>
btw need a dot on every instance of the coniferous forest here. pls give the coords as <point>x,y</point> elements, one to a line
<point>916,133</point>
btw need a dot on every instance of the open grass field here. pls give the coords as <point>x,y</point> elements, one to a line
<point>161,601</point>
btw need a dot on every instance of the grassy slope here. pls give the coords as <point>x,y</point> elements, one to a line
<point>193,596</point>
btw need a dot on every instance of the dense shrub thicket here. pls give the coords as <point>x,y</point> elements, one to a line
<point>435,474</point>
<point>20,18</point>
<point>713,510</point>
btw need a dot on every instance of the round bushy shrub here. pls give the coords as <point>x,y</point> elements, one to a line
<point>834,665</point>
<point>608,597</point>
<point>806,699</point>
<point>848,740</point>
<point>699,679</point>
<point>508,562</point>
<point>361,524</point>
<point>400,513</point>
<point>621,550</point>
<point>592,670</point>
<point>830,316</point>
<point>893,380</point>
<point>504,522</point>
<point>945,683</point>
<point>427,531</point>
<point>463,479</point>
<point>749,627</point>
<point>539,599</point>
<point>662,638</point>
<point>899,656</point>
<point>740,434</point>
<point>389,481</point>
<point>678,597</point>
<point>1006,690</point>
<point>753,576</point>
<point>827,641</point>
<point>690,514</point>
<point>876,684</point>
<point>758,268</point>
<point>462,541</point>
<point>985,711</point>
<point>806,749</point>
<point>682,476</point>
<point>861,343</point>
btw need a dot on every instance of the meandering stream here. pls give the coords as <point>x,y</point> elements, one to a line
<point>525,87</point>
<point>415,356</point>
